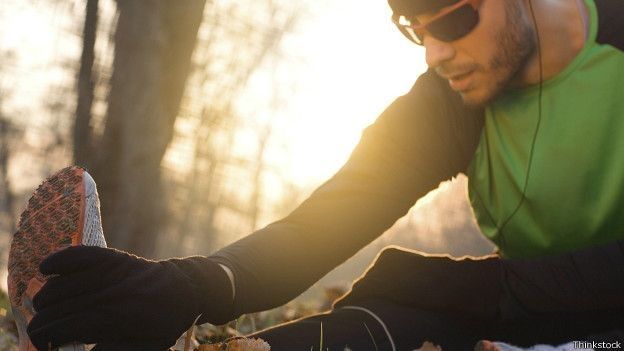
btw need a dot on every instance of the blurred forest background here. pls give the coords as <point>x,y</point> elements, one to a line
<point>190,115</point>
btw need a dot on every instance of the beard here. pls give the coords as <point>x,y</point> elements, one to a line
<point>517,44</point>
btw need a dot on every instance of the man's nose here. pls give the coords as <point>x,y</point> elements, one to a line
<point>436,51</point>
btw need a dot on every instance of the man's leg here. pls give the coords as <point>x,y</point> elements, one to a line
<point>510,295</point>
<point>453,303</point>
<point>377,325</point>
<point>438,283</point>
<point>384,325</point>
<point>398,306</point>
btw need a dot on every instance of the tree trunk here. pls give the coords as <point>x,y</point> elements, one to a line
<point>7,198</point>
<point>154,42</point>
<point>82,131</point>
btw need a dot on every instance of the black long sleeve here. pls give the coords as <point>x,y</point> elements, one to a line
<point>420,140</point>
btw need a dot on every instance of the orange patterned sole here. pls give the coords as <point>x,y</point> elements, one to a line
<point>53,220</point>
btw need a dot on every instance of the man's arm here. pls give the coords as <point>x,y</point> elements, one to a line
<point>413,146</point>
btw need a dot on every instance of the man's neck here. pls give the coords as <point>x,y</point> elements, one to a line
<point>562,37</point>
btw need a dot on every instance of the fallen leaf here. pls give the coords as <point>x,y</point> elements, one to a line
<point>429,346</point>
<point>239,344</point>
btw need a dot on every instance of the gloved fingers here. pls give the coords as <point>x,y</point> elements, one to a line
<point>98,328</point>
<point>74,259</point>
<point>76,315</point>
<point>70,328</point>
<point>65,287</point>
<point>142,345</point>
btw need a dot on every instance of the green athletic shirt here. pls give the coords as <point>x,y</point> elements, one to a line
<point>428,136</point>
<point>575,191</point>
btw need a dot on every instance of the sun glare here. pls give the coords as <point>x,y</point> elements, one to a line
<point>352,70</point>
<point>344,70</point>
<point>333,79</point>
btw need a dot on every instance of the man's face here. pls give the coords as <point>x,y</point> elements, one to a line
<point>487,60</point>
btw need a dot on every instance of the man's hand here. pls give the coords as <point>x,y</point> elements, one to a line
<point>109,297</point>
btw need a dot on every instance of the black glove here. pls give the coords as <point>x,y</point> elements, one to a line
<point>120,301</point>
<point>469,286</point>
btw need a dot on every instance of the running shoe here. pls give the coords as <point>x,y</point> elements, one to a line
<point>64,211</point>
<point>485,345</point>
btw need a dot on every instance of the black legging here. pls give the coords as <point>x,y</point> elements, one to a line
<point>409,328</point>
<point>357,329</point>
<point>455,303</point>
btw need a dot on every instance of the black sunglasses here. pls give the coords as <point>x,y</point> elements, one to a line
<point>450,23</point>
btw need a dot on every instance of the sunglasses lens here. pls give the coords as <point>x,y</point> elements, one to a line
<point>404,25</point>
<point>413,35</point>
<point>455,25</point>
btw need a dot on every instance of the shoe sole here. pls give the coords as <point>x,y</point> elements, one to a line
<point>485,345</point>
<point>53,220</point>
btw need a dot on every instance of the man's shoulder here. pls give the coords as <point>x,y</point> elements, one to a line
<point>610,22</point>
<point>432,113</point>
<point>432,93</point>
<point>430,84</point>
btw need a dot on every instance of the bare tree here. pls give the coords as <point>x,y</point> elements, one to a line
<point>148,89</point>
<point>82,135</point>
<point>220,184</point>
<point>154,41</point>
<point>8,135</point>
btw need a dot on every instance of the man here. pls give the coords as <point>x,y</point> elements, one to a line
<point>525,97</point>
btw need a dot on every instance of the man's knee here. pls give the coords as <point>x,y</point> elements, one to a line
<point>432,282</point>
<point>391,274</point>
